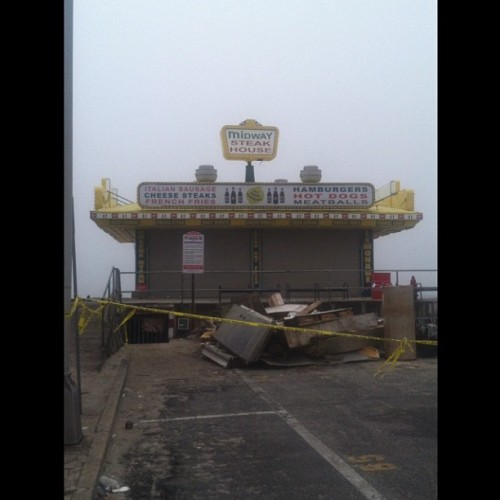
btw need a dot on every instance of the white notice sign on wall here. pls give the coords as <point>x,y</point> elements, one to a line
<point>193,252</point>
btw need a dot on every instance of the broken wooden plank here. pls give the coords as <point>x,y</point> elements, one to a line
<point>350,327</point>
<point>363,324</point>
<point>284,309</point>
<point>310,308</point>
<point>275,299</point>
<point>301,319</point>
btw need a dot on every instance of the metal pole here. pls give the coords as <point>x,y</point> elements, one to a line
<point>76,318</point>
<point>192,293</point>
<point>72,421</point>
<point>249,173</point>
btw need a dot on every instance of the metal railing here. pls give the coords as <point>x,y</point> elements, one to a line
<point>113,289</point>
<point>178,286</point>
<point>112,340</point>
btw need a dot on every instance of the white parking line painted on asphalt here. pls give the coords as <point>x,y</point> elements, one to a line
<point>363,486</point>
<point>201,417</point>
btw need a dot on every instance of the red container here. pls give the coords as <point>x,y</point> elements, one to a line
<point>379,280</point>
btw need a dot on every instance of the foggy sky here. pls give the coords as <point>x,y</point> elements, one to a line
<point>350,84</point>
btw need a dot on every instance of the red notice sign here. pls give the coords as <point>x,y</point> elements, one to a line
<point>193,251</point>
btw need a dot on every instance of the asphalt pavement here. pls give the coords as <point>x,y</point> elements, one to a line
<point>188,428</point>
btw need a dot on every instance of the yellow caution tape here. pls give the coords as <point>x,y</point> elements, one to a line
<point>393,358</point>
<point>129,315</point>
<point>215,319</point>
<point>87,312</point>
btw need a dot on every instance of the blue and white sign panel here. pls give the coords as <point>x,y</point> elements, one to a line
<point>321,196</point>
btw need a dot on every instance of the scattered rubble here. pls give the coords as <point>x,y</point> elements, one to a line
<point>284,334</point>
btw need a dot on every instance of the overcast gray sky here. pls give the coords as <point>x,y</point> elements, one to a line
<point>350,84</point>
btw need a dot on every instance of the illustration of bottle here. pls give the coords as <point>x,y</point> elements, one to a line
<point>282,196</point>
<point>269,196</point>
<point>275,196</point>
<point>240,196</point>
<point>233,196</point>
<point>226,196</point>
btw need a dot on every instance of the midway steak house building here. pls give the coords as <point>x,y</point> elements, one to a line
<point>306,238</point>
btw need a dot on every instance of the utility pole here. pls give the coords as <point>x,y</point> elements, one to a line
<point>72,420</point>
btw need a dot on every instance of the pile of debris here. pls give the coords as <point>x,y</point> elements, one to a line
<point>291,334</point>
